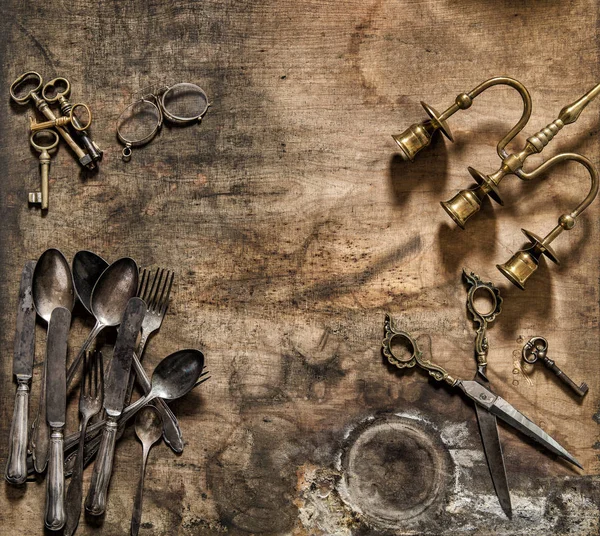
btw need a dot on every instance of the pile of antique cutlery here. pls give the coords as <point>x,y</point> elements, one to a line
<point>116,295</point>
<point>72,126</point>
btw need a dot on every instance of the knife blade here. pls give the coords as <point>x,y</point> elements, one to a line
<point>24,352</point>
<point>492,448</point>
<point>56,376</point>
<point>56,406</point>
<point>115,389</point>
<point>503,410</point>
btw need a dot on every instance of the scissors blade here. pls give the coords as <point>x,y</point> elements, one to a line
<point>503,410</point>
<point>493,454</point>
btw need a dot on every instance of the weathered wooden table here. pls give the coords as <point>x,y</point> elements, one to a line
<point>293,227</point>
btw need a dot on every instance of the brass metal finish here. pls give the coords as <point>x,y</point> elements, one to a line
<point>84,159</point>
<point>52,95</point>
<point>419,135</point>
<point>476,285</point>
<point>41,197</point>
<point>525,262</point>
<point>466,203</point>
<point>416,356</point>
<point>64,120</point>
<point>536,348</point>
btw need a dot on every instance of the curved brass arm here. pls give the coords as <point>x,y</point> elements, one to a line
<point>418,136</point>
<point>466,203</point>
<point>500,80</point>
<point>525,262</point>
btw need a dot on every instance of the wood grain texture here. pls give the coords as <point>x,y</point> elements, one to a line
<point>293,227</point>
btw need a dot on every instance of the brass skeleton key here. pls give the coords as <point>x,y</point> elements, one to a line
<point>63,121</point>
<point>536,349</point>
<point>41,197</point>
<point>57,90</point>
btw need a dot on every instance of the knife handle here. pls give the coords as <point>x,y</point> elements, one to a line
<point>55,490</point>
<point>16,466</point>
<point>95,502</point>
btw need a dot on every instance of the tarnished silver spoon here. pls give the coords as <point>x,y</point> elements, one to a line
<point>87,269</point>
<point>117,284</point>
<point>148,428</point>
<point>52,287</point>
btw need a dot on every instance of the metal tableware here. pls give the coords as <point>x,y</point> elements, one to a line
<point>16,465</point>
<point>156,296</point>
<point>41,197</point>
<point>52,287</point>
<point>90,403</point>
<point>56,404</point>
<point>148,428</point>
<point>87,268</point>
<point>114,396</point>
<point>536,348</point>
<point>84,159</point>
<point>117,284</point>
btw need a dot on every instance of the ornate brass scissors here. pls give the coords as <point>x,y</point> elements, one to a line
<point>479,394</point>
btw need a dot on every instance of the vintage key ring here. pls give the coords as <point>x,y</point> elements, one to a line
<point>167,102</point>
<point>41,197</point>
<point>68,119</point>
<point>536,348</point>
<point>44,108</point>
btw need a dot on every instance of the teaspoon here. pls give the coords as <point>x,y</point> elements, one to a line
<point>148,428</point>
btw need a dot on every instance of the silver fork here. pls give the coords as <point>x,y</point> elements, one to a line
<point>90,403</point>
<point>156,297</point>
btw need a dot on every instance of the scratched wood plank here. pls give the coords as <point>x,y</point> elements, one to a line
<point>293,227</point>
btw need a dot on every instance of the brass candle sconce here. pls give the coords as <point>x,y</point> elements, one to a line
<point>467,202</point>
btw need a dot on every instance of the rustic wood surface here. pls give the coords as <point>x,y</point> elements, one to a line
<point>293,227</point>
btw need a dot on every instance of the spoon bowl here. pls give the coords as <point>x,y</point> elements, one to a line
<point>87,269</point>
<point>148,426</point>
<point>52,284</point>
<point>114,288</point>
<point>177,374</point>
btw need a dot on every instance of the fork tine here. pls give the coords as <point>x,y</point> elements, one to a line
<point>156,290</point>
<point>164,303</point>
<point>101,373</point>
<point>82,389</point>
<point>143,286</point>
<point>94,376</point>
<point>150,295</point>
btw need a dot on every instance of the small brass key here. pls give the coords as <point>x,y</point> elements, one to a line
<point>536,349</point>
<point>63,121</point>
<point>41,197</point>
<point>57,90</point>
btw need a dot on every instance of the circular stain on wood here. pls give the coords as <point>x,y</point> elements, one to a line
<point>394,469</point>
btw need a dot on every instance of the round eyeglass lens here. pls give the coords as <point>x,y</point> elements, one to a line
<point>184,103</point>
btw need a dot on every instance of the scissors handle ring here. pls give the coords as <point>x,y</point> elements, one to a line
<point>59,94</point>
<point>25,98</point>
<point>536,347</point>
<point>42,148</point>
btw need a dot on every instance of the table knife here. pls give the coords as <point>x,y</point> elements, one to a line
<point>56,407</point>
<point>115,389</point>
<point>16,466</point>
